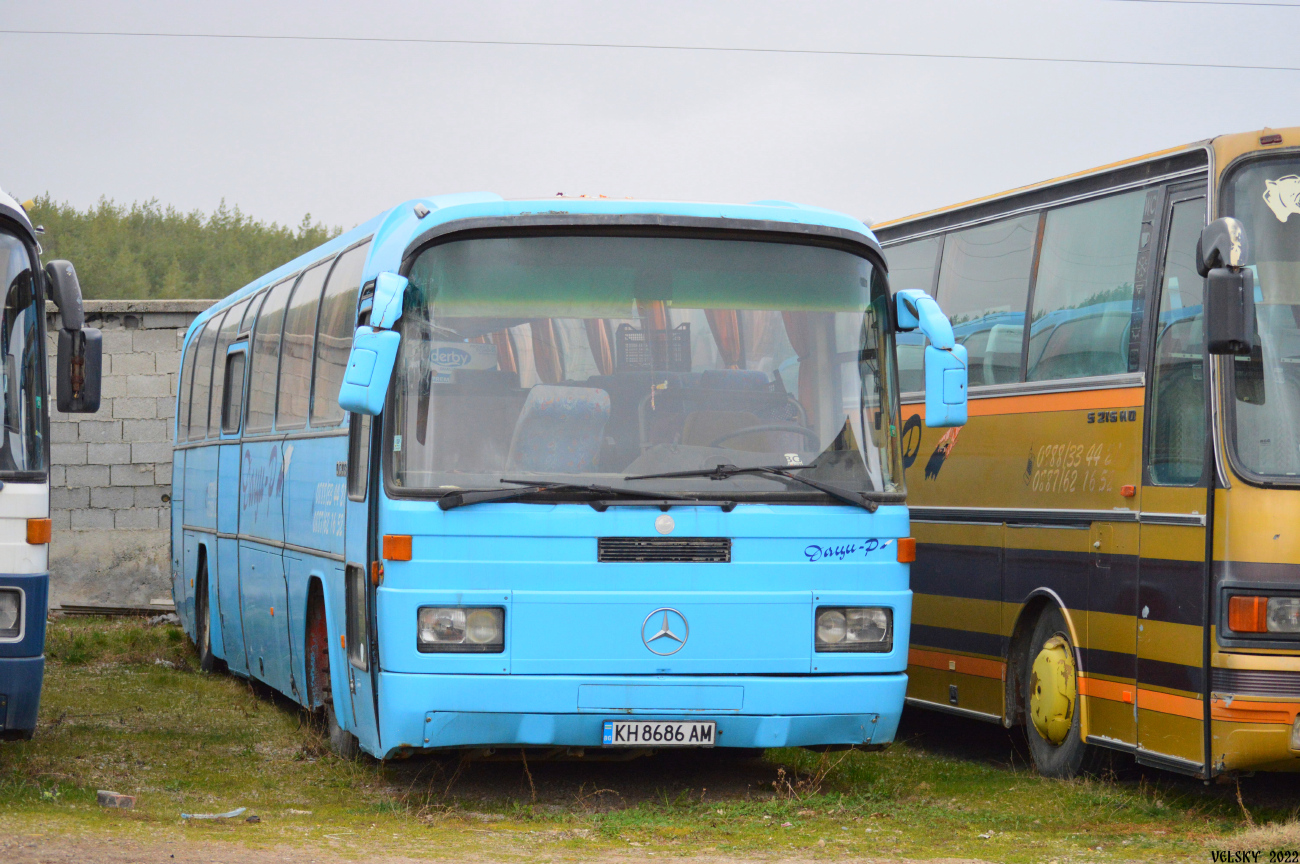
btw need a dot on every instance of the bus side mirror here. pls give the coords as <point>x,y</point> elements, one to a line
<point>374,350</point>
<point>79,365</point>
<point>945,360</point>
<point>1229,288</point>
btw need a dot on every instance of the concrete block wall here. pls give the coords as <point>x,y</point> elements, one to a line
<point>111,472</point>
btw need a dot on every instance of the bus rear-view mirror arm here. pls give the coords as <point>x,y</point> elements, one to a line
<point>81,349</point>
<point>1229,287</point>
<point>374,349</point>
<point>945,360</point>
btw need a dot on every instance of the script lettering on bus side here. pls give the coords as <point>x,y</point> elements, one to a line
<point>839,550</point>
<point>1072,467</point>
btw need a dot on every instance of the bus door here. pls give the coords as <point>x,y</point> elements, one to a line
<point>232,370</point>
<point>1172,570</point>
<point>359,674</point>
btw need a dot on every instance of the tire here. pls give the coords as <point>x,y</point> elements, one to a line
<point>342,742</point>
<point>203,623</point>
<point>1070,756</point>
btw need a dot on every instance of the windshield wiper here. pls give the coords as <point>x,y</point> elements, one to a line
<point>723,472</point>
<point>466,497</point>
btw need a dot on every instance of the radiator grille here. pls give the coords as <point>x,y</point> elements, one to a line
<point>1255,682</point>
<point>705,550</point>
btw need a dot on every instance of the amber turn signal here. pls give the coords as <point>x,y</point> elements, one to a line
<point>1247,614</point>
<point>397,547</point>
<point>38,531</point>
<point>906,550</point>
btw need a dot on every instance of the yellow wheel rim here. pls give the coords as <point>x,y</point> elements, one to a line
<point>1052,690</point>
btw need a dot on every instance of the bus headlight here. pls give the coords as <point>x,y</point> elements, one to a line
<point>1284,614</point>
<point>855,628</point>
<point>11,613</point>
<point>465,629</point>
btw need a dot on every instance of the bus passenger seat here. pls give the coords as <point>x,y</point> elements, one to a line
<point>561,429</point>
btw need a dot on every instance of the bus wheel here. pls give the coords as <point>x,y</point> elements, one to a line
<point>1052,697</point>
<point>203,621</point>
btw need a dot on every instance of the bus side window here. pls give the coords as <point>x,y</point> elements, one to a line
<point>913,265</point>
<point>297,349</point>
<point>338,320</point>
<point>187,380</point>
<point>358,456</point>
<point>1083,296</point>
<point>225,336</point>
<point>265,363</point>
<point>203,380</point>
<point>1178,376</point>
<point>233,403</point>
<point>984,289</point>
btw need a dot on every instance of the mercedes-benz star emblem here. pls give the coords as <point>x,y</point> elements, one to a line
<point>668,628</point>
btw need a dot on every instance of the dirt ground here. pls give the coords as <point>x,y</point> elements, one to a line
<point>66,850</point>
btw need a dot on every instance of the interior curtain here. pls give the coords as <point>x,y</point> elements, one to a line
<point>796,330</point>
<point>657,312</point>
<point>505,351</point>
<point>546,351</point>
<point>598,339</point>
<point>725,324</point>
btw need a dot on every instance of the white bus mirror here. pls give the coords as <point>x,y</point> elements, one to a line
<point>370,367</point>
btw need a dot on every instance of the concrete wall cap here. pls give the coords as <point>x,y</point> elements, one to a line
<point>111,307</point>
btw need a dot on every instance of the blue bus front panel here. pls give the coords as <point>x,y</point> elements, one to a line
<point>575,627</point>
<point>22,664</point>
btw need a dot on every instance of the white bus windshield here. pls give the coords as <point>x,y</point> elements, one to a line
<point>22,345</point>
<point>588,359</point>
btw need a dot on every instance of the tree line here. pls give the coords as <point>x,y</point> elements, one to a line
<point>146,250</point>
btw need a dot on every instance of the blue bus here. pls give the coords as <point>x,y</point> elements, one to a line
<point>25,525</point>
<point>563,473</point>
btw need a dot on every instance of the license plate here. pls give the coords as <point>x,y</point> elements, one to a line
<point>659,733</point>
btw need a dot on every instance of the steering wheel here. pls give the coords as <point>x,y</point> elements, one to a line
<point>809,434</point>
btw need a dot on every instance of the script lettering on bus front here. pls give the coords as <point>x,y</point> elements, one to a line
<point>838,550</point>
<point>1072,467</point>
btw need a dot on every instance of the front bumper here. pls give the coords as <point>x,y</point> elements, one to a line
<point>432,711</point>
<point>20,693</point>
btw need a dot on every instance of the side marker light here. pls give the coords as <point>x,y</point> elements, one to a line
<point>1128,491</point>
<point>397,547</point>
<point>906,550</point>
<point>38,531</point>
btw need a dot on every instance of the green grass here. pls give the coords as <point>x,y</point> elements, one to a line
<point>125,708</point>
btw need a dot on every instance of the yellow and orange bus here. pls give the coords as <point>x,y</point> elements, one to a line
<point>1109,550</point>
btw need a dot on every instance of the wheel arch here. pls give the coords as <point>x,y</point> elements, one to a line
<point>1018,648</point>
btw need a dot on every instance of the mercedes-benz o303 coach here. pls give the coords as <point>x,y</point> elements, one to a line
<point>569,473</point>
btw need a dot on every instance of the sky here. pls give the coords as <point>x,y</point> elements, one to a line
<point>343,129</point>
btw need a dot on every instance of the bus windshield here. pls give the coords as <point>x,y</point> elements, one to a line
<point>1265,196</point>
<point>22,375</point>
<point>587,359</point>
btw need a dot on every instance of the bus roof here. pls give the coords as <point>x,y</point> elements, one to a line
<point>395,230</point>
<point>1226,148</point>
<point>9,207</point>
